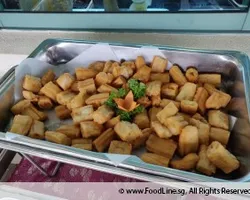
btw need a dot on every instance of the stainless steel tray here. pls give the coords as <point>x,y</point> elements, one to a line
<point>232,65</point>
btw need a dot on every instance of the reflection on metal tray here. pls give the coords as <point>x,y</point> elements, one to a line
<point>234,66</point>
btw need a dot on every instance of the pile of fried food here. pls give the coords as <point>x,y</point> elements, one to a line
<point>120,107</point>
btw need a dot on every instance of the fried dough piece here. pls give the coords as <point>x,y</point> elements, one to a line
<point>159,64</point>
<point>175,124</point>
<point>188,140</point>
<point>106,88</point>
<point>203,130</point>
<point>192,75</point>
<point>112,122</point>
<point>144,101</point>
<point>153,112</point>
<point>102,114</point>
<point>218,119</point>
<point>153,88</point>
<point>34,113</point>
<point>97,99</point>
<point>218,100</point>
<point>62,112</point>
<point>140,141</point>
<point>165,102</point>
<point>103,78</point>
<point>156,100</point>
<point>65,81</point>
<point>65,97</point>
<point>90,129</point>
<point>57,137</point>
<point>20,106</point>
<point>168,111</point>
<point>204,165</point>
<point>78,101</point>
<point>142,120</point>
<point>97,66</point>
<point>85,73</point>
<point>143,74</point>
<point>37,130</point>
<point>21,124</point>
<point>30,96</point>
<point>120,147</point>
<point>139,62</point>
<point>84,113</point>
<point>214,79</point>
<point>220,135</point>
<point>45,103</point>
<point>103,141</point>
<point>177,75</point>
<point>119,82</point>
<point>210,88</point>
<point>47,77</point>
<point>32,83</point>
<point>81,141</point>
<point>158,145</point>
<point>222,158</point>
<point>87,85</point>
<point>169,90</point>
<point>51,90</point>
<point>127,131</point>
<point>201,97</point>
<point>163,77</point>
<point>160,130</point>
<point>189,107</point>
<point>186,163</point>
<point>71,131</point>
<point>187,92</point>
<point>155,159</point>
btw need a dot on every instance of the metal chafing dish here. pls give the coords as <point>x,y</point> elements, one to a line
<point>234,66</point>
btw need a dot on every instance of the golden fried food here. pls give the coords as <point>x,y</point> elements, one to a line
<point>214,79</point>
<point>119,82</point>
<point>65,97</point>
<point>87,85</point>
<point>120,147</point>
<point>106,88</point>
<point>218,119</point>
<point>47,77</point>
<point>127,131</point>
<point>175,124</point>
<point>62,112</point>
<point>83,146</point>
<point>159,64</point>
<point>103,141</point>
<point>32,83</point>
<point>97,99</point>
<point>103,114</point>
<point>168,111</point>
<point>220,135</point>
<point>204,165</point>
<point>97,66</point>
<point>156,100</point>
<point>210,88</point>
<point>139,62</point>
<point>30,96</point>
<point>141,140</point>
<point>21,124</point>
<point>71,131</point>
<point>90,129</point>
<point>177,75</point>
<point>78,100</point>
<point>112,122</point>
<point>163,77</point>
<point>222,158</point>
<point>144,101</point>
<point>143,74</point>
<point>188,106</point>
<point>45,103</point>
<point>201,97</point>
<point>65,81</point>
<point>218,100</point>
<point>158,145</point>
<point>84,113</point>
<point>153,88</point>
<point>57,137</point>
<point>187,92</point>
<point>81,141</point>
<point>153,112</point>
<point>203,130</point>
<point>165,102</point>
<point>188,140</point>
<point>186,163</point>
<point>142,120</point>
<point>20,106</point>
<point>170,90</point>
<point>192,75</point>
<point>155,159</point>
<point>103,78</point>
<point>37,130</point>
<point>85,73</point>
<point>34,113</point>
<point>161,130</point>
<point>51,90</point>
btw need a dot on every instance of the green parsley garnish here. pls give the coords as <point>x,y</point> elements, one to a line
<point>138,88</point>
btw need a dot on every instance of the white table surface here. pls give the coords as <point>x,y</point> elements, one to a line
<point>9,60</point>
